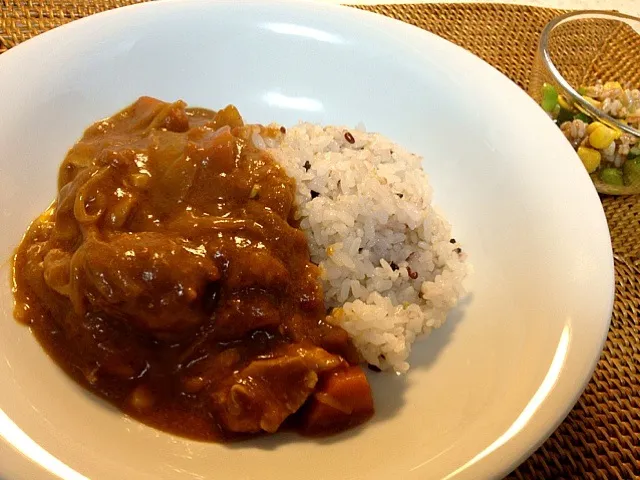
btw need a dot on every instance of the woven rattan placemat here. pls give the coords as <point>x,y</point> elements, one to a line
<point>600,439</point>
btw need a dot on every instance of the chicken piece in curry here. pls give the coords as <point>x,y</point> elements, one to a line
<point>170,278</point>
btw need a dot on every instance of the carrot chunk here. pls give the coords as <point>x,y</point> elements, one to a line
<point>342,400</point>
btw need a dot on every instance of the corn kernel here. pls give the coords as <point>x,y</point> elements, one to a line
<point>602,137</point>
<point>564,104</point>
<point>593,125</point>
<point>593,102</point>
<point>590,158</point>
<point>612,85</point>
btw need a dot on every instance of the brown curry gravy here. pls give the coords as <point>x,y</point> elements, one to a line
<point>169,278</point>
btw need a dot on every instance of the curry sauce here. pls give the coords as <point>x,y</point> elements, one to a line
<point>169,277</point>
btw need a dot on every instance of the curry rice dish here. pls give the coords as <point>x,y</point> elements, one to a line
<point>216,280</point>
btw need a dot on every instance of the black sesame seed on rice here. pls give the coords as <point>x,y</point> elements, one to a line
<point>412,275</point>
<point>394,266</point>
<point>453,240</point>
<point>307,165</point>
<point>349,138</point>
<point>374,368</point>
<point>283,129</point>
<point>458,250</point>
<point>314,194</point>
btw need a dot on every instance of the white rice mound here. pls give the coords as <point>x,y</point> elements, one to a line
<point>371,224</point>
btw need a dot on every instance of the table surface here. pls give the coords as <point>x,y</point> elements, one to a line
<point>631,7</point>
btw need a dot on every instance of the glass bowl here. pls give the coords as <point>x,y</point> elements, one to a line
<point>586,76</point>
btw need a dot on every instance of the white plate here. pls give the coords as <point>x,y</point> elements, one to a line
<point>484,390</point>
